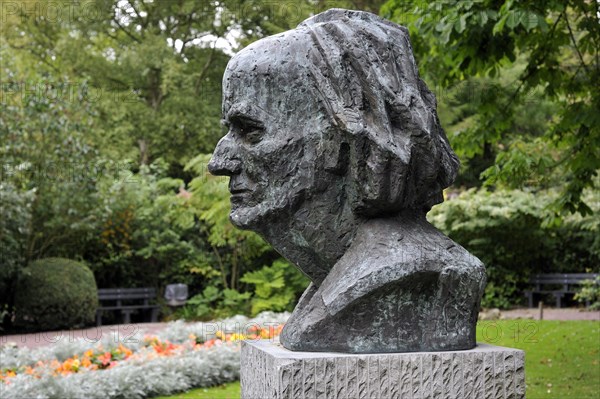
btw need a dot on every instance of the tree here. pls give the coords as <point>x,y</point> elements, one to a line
<point>150,69</point>
<point>553,47</point>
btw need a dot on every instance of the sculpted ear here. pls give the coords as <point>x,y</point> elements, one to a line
<point>377,179</point>
<point>334,152</point>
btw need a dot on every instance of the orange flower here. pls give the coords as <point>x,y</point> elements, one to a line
<point>164,348</point>
<point>86,362</point>
<point>124,350</point>
<point>105,358</point>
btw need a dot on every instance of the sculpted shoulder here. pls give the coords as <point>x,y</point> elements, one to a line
<point>386,251</point>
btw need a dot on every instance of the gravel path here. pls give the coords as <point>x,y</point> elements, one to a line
<point>551,314</point>
<point>36,340</point>
<point>92,334</point>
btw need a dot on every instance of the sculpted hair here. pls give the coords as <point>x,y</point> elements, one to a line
<point>365,73</point>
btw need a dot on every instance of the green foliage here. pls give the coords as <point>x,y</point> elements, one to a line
<point>149,235</point>
<point>277,287</point>
<point>154,88</point>
<point>50,157</point>
<point>235,250</point>
<point>553,48</point>
<point>506,230</point>
<point>56,293</point>
<point>260,18</point>
<point>48,190</point>
<point>590,293</point>
<point>15,208</point>
<point>213,303</point>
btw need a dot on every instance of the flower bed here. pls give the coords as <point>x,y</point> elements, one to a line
<point>181,357</point>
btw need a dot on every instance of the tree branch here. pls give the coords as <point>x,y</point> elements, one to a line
<point>221,266</point>
<point>204,70</point>
<point>575,43</point>
<point>116,21</point>
<point>530,71</point>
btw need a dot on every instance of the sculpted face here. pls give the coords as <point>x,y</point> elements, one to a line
<point>272,119</point>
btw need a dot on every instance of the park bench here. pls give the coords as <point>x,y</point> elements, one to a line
<point>557,284</point>
<point>127,301</point>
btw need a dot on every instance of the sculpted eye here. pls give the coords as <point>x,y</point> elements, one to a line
<point>252,135</point>
<point>249,129</point>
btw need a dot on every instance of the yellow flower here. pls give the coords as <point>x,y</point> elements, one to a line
<point>236,337</point>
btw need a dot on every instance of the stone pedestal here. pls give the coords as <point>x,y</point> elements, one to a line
<point>270,371</point>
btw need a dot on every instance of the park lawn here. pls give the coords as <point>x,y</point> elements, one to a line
<point>227,391</point>
<point>562,358</point>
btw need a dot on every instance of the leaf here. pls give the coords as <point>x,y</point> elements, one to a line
<point>483,18</point>
<point>529,20</point>
<point>499,26</point>
<point>513,18</point>
<point>461,24</point>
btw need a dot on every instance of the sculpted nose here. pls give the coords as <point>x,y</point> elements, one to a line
<point>225,160</point>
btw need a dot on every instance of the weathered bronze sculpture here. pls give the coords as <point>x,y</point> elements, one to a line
<point>335,154</point>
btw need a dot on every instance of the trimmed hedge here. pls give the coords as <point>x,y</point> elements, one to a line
<point>55,293</point>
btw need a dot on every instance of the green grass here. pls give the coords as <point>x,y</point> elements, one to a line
<point>562,358</point>
<point>227,391</point>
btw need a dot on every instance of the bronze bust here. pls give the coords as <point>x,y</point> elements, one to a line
<point>335,154</point>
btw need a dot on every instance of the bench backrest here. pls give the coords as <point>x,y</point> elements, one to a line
<point>566,280</point>
<point>118,294</point>
<point>562,278</point>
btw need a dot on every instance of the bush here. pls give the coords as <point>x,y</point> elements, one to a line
<point>506,229</point>
<point>55,293</point>
<point>590,293</point>
<point>277,287</point>
<point>15,208</point>
<point>213,303</point>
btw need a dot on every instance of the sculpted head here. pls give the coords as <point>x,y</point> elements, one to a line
<point>331,109</point>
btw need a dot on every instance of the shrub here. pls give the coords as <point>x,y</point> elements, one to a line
<point>590,293</point>
<point>215,303</point>
<point>15,208</point>
<point>506,229</point>
<point>277,287</point>
<point>55,293</point>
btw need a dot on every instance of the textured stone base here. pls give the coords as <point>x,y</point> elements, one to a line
<point>270,371</point>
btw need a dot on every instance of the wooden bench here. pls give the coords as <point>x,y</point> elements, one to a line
<point>557,284</point>
<point>127,301</point>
